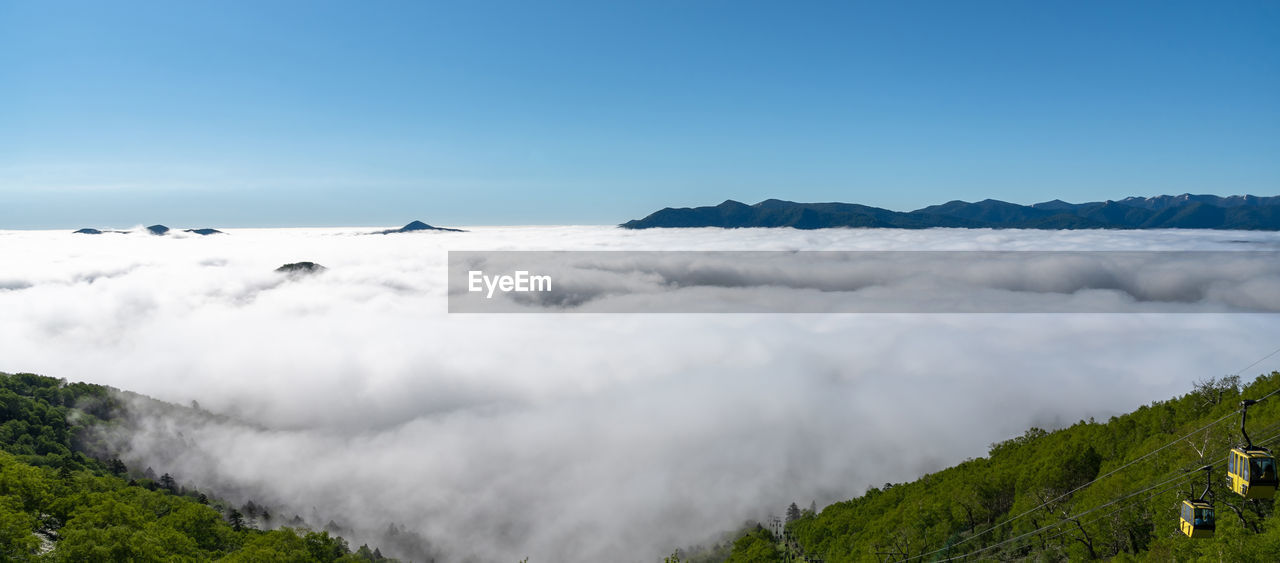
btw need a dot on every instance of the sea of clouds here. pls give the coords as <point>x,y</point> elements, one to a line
<point>355,396</point>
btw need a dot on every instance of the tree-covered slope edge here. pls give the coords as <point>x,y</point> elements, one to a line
<point>1094,490</point>
<point>64,497</point>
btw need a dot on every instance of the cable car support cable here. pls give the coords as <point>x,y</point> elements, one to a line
<point>1109,473</point>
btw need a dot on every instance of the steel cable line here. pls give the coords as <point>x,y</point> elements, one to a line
<point>1185,475</point>
<point>1107,474</point>
<point>1122,507</point>
<point>1061,522</point>
<point>1072,491</point>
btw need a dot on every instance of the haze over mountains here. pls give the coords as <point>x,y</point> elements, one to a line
<point>1185,211</point>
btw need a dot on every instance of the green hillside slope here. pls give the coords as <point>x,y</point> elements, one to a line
<point>1095,490</point>
<point>59,504</point>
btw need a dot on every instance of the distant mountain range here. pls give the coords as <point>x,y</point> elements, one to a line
<point>1184,211</point>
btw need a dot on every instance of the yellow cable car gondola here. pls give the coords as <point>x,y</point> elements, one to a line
<point>1251,470</point>
<point>1197,519</point>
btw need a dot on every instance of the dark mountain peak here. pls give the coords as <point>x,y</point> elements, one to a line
<point>989,212</point>
<point>1054,205</point>
<point>301,268</point>
<point>998,204</point>
<point>945,207</point>
<point>158,229</point>
<point>92,231</point>
<point>730,203</point>
<point>774,204</point>
<point>417,226</point>
<point>204,232</point>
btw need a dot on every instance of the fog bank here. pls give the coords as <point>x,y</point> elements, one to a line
<point>573,437</point>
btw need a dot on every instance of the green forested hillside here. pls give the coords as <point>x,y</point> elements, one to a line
<point>59,504</point>
<point>1095,490</point>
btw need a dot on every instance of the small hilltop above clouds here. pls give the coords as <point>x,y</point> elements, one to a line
<point>417,226</point>
<point>301,268</point>
<point>1185,211</point>
<point>158,230</point>
<point>161,230</point>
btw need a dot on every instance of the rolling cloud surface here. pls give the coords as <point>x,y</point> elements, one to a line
<point>353,396</point>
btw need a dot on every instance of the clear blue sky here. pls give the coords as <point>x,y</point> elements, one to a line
<point>337,113</point>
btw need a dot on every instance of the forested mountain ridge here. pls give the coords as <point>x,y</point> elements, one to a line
<point>1185,211</point>
<point>60,503</point>
<point>1095,490</point>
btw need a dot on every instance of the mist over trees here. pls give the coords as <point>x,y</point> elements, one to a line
<point>60,503</point>
<point>1089,491</point>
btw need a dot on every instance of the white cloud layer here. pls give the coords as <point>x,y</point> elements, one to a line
<point>570,437</point>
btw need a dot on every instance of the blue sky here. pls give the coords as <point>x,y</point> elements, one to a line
<point>347,113</point>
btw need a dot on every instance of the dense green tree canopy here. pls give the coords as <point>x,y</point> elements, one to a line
<point>59,504</point>
<point>1093,490</point>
